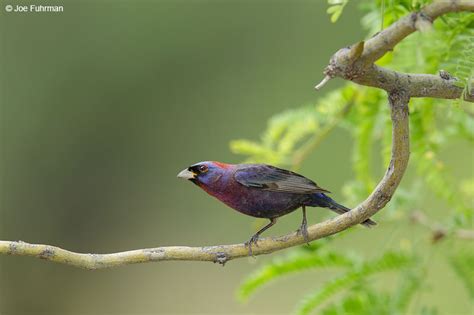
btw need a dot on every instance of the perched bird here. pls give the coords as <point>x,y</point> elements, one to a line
<point>261,191</point>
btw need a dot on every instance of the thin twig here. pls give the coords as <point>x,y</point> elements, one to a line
<point>438,231</point>
<point>323,82</point>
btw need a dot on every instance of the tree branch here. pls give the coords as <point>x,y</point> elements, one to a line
<point>223,253</point>
<point>418,85</point>
<point>388,38</point>
<point>354,63</point>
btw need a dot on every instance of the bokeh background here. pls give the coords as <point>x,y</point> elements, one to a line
<point>103,104</point>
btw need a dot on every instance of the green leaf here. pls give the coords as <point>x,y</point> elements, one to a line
<point>293,131</point>
<point>389,261</point>
<point>294,263</point>
<point>462,264</point>
<point>335,9</point>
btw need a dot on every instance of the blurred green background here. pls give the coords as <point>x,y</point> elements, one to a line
<point>103,104</point>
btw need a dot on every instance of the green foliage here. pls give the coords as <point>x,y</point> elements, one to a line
<point>363,113</point>
<point>289,133</point>
<point>335,9</point>
<point>364,123</point>
<point>296,262</point>
<point>427,141</point>
<point>280,139</point>
<point>458,32</point>
<point>463,263</point>
<point>453,37</point>
<point>354,275</point>
<point>364,299</point>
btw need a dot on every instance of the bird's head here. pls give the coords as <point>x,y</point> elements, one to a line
<point>204,173</point>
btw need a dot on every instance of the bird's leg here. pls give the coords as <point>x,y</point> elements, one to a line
<point>254,238</point>
<point>304,227</point>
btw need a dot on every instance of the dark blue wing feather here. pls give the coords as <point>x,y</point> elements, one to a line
<point>271,178</point>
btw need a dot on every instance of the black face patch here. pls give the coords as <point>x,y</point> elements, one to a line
<point>198,169</point>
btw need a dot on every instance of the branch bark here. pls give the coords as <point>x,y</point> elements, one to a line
<point>223,253</point>
<point>354,63</point>
<point>388,38</point>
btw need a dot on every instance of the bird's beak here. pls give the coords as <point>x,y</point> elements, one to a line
<point>187,174</point>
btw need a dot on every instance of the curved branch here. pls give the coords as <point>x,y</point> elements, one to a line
<point>223,253</point>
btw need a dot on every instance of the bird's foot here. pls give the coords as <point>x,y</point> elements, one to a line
<point>254,240</point>
<point>303,230</point>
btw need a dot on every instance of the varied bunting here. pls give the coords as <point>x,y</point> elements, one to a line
<point>261,191</point>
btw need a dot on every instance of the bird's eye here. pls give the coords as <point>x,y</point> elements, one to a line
<point>202,168</point>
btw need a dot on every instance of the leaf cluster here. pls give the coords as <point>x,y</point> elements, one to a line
<point>353,279</point>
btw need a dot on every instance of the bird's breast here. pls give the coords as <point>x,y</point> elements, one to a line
<point>256,202</point>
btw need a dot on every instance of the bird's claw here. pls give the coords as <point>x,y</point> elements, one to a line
<point>303,230</point>
<point>254,240</point>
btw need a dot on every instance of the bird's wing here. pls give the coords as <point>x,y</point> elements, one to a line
<point>266,177</point>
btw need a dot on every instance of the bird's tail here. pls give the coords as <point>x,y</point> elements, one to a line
<point>321,200</point>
